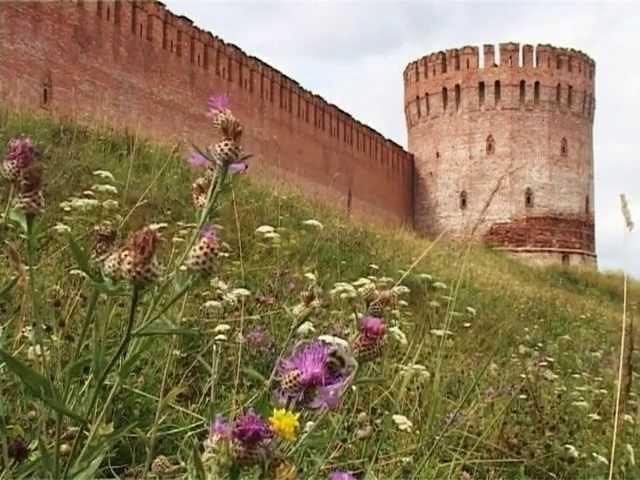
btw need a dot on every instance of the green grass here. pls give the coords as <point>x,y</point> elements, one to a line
<point>531,356</point>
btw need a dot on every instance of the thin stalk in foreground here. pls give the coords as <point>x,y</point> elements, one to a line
<point>122,349</point>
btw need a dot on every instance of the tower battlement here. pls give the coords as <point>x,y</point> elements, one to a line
<point>503,147</point>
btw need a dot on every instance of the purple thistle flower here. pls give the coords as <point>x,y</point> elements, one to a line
<point>330,396</point>
<point>220,429</point>
<point>197,160</point>
<point>258,338</point>
<point>21,152</point>
<point>311,361</point>
<point>208,232</point>
<point>309,375</point>
<point>341,475</point>
<point>250,429</point>
<point>239,166</point>
<point>218,103</point>
<point>372,327</point>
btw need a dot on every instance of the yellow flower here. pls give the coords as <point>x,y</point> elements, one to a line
<point>284,423</point>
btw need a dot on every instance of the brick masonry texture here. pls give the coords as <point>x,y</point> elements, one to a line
<point>136,65</point>
<point>504,150</point>
<point>510,163</point>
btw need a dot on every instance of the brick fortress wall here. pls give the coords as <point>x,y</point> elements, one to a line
<point>504,150</point>
<point>137,65</point>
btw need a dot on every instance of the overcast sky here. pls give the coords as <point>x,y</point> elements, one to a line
<point>353,53</point>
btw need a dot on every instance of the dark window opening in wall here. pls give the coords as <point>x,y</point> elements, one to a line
<point>467,64</point>
<point>443,64</point>
<point>433,72</point>
<point>536,93</point>
<point>565,259</point>
<point>349,200</point>
<point>418,106</point>
<point>140,31</point>
<point>463,200</point>
<point>306,112</point>
<point>198,59</point>
<point>457,95</point>
<point>45,96</point>
<point>587,207</point>
<point>481,93</point>
<point>179,44</point>
<point>490,147</point>
<point>322,118</point>
<point>99,8</point>
<point>496,91</point>
<point>523,91</point>
<point>510,61</point>
<point>457,61</point>
<point>108,14</point>
<point>149,27</point>
<point>528,198</point>
<point>426,101</point>
<point>171,46</point>
<point>559,63</point>
<point>570,96</point>
<point>564,147</point>
<point>437,154</point>
<point>559,94</point>
<point>417,73</point>
<point>445,99</point>
<point>569,66</point>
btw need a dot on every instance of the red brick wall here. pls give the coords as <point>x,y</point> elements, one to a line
<point>527,125</point>
<point>136,65</point>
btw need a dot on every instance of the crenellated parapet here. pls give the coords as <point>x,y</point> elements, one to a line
<point>503,147</point>
<point>253,79</point>
<point>509,77</point>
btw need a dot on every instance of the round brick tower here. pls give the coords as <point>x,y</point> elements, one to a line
<point>503,151</point>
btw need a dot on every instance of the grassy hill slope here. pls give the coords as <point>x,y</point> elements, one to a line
<point>504,371</point>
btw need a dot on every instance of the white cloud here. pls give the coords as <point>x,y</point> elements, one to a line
<point>353,54</point>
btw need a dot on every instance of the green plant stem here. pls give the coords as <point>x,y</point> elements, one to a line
<point>121,351</point>
<point>93,301</point>
<point>5,446</point>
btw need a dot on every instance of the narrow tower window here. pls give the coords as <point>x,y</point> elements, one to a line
<point>587,207</point>
<point>522,91</point>
<point>426,99</point>
<point>418,106</point>
<point>570,96</point>
<point>445,99</point>
<point>536,93</point>
<point>481,93</point>
<point>564,147</point>
<point>558,94</point>
<point>528,198</point>
<point>496,91</point>
<point>490,145</point>
<point>457,93</point>
<point>463,200</point>
<point>443,63</point>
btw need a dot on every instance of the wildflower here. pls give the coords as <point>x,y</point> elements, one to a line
<point>19,157</point>
<point>263,229</point>
<point>196,159</point>
<point>29,186</point>
<point>313,223</point>
<point>258,338</point>
<point>105,188</point>
<point>626,212</point>
<point>284,423</point>
<point>223,327</point>
<point>110,204</point>
<point>370,340</point>
<point>218,103</point>
<point>341,475</point>
<point>441,332</point>
<point>135,261</point>
<point>61,228</point>
<point>316,374</point>
<point>305,329</point>
<point>600,459</point>
<point>402,422</point>
<point>104,174</point>
<point>199,191</point>
<point>202,255</point>
<point>219,430</point>
<point>240,293</point>
<point>104,239</point>
<point>572,451</point>
<point>18,450</point>
<point>251,436</point>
